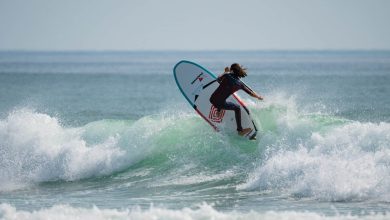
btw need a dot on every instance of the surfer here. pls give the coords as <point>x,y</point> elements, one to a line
<point>230,83</point>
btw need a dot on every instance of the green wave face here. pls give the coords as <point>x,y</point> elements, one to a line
<point>181,150</point>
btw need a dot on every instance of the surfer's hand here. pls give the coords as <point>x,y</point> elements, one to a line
<point>257,96</point>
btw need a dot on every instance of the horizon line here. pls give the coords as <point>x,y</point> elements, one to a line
<point>187,50</point>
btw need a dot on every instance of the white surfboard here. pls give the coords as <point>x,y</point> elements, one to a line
<point>197,84</point>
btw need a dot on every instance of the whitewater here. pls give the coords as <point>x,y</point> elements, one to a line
<point>108,135</point>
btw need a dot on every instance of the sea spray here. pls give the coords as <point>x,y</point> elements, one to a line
<point>36,148</point>
<point>348,162</point>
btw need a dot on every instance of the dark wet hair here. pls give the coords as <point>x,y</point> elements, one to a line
<point>238,70</point>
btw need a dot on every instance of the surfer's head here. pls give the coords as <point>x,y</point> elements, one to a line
<point>238,70</point>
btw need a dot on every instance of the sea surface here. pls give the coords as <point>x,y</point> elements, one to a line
<point>108,135</point>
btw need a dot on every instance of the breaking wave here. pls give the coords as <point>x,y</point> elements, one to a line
<point>297,154</point>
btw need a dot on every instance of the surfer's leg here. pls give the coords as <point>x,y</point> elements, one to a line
<point>237,112</point>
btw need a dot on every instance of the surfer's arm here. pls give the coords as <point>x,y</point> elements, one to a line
<point>250,91</point>
<point>255,95</point>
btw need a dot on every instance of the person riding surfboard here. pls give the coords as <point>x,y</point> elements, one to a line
<point>230,83</point>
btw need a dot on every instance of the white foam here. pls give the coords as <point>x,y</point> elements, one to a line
<point>35,147</point>
<point>349,162</point>
<point>204,211</point>
<point>195,178</point>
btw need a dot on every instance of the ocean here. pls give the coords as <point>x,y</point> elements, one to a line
<point>108,135</point>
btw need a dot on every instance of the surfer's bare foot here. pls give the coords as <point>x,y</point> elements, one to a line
<point>244,131</point>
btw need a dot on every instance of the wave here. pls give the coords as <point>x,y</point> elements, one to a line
<point>298,154</point>
<point>36,148</point>
<point>203,211</point>
<point>325,158</point>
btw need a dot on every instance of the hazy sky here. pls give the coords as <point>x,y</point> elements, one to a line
<point>194,25</point>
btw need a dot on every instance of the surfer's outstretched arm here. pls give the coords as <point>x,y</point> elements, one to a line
<point>250,91</point>
<point>259,97</point>
<point>254,94</point>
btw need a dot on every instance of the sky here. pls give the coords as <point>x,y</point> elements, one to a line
<point>194,25</point>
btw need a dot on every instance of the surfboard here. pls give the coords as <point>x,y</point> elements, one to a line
<point>197,84</point>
